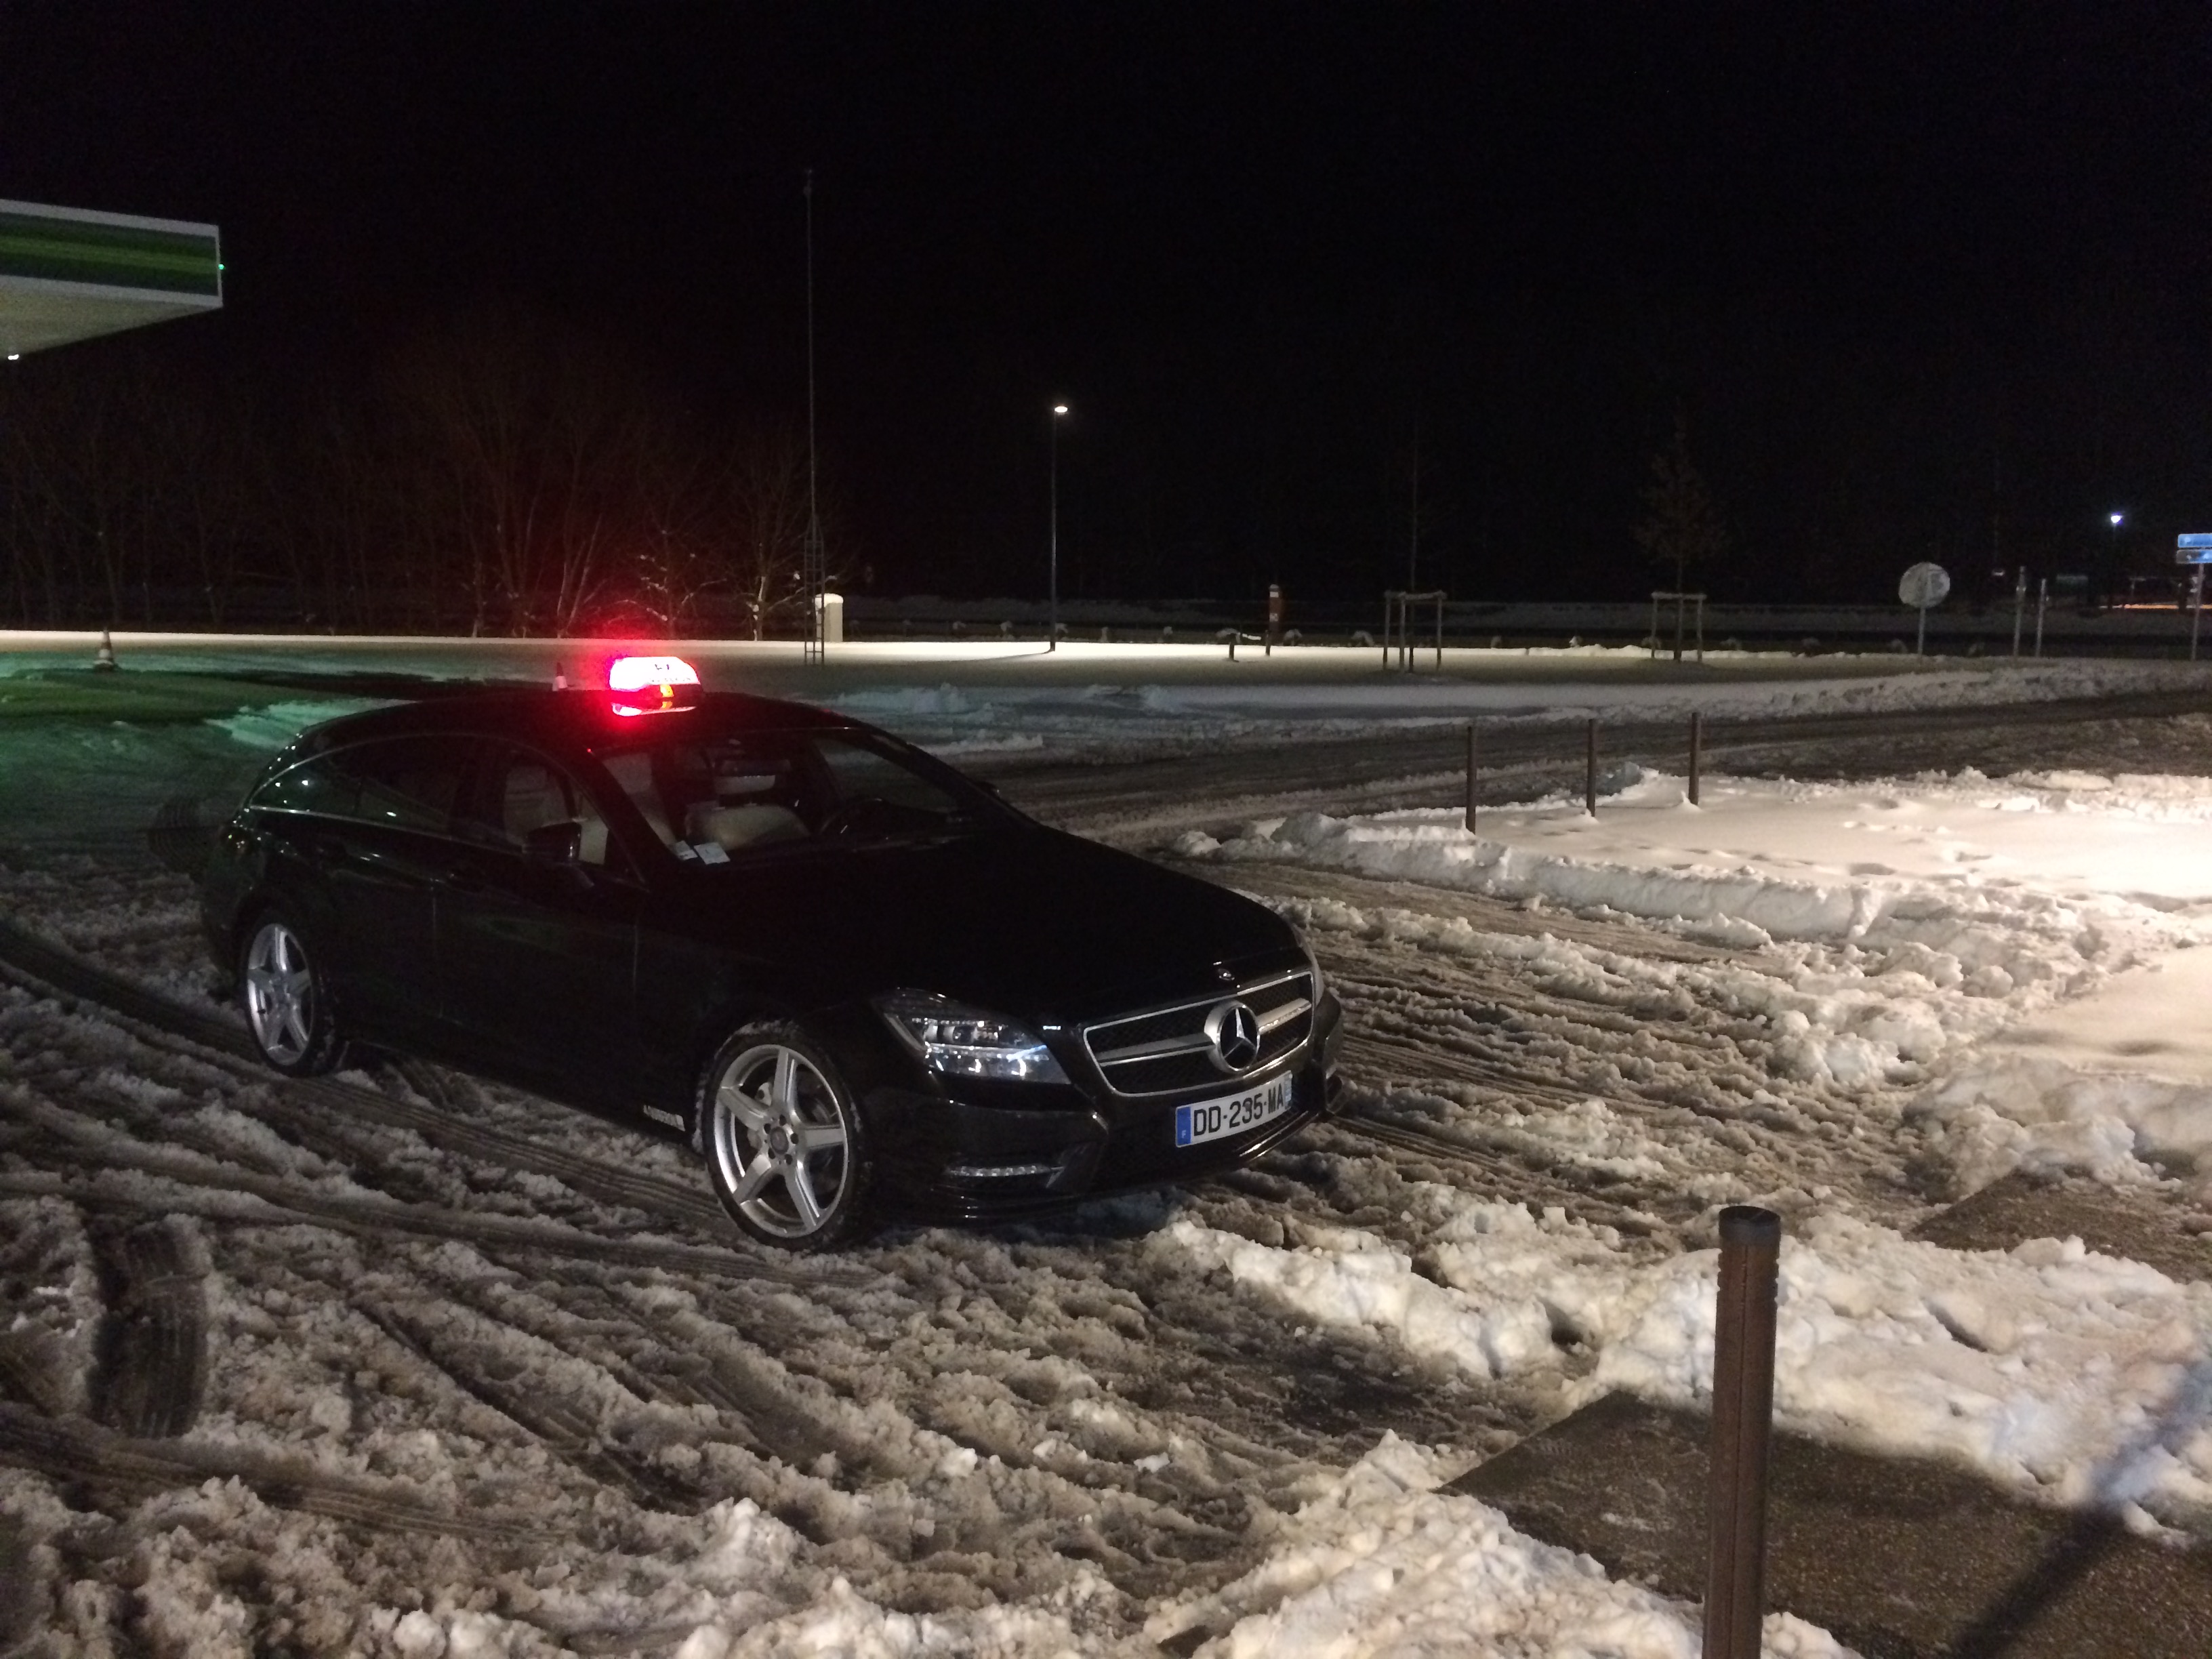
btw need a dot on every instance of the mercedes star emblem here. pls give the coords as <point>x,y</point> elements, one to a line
<point>1234,1031</point>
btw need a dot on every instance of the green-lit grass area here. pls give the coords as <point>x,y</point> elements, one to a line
<point>136,697</point>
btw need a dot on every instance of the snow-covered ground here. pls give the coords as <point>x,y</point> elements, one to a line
<point>481,1376</point>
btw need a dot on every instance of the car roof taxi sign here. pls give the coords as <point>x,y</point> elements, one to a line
<point>652,685</point>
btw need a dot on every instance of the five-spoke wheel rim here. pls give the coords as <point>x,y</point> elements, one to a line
<point>779,1140</point>
<point>280,994</point>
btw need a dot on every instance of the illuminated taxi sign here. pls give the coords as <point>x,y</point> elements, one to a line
<point>652,685</point>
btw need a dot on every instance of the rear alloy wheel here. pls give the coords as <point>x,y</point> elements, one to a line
<point>784,1146</point>
<point>288,1009</point>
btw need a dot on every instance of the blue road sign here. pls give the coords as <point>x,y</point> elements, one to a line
<point>2193,547</point>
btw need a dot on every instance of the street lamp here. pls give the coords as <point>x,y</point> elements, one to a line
<point>1052,618</point>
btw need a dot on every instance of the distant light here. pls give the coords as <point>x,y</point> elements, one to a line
<point>2117,517</point>
<point>14,357</point>
<point>1060,408</point>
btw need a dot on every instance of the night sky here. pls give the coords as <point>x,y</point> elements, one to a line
<point>1925,282</point>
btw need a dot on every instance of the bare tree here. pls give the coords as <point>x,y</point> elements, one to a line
<point>535,433</point>
<point>767,484</point>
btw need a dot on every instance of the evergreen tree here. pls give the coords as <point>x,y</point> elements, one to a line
<point>1681,527</point>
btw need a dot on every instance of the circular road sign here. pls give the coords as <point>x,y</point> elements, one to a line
<point>1924,586</point>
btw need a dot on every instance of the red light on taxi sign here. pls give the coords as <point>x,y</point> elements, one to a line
<point>650,685</point>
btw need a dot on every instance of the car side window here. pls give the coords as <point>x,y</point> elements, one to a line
<point>517,791</point>
<point>714,798</point>
<point>861,774</point>
<point>405,783</point>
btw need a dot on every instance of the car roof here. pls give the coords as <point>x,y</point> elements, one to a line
<point>563,720</point>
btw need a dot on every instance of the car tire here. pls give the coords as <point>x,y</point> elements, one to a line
<point>286,1000</point>
<point>786,1153</point>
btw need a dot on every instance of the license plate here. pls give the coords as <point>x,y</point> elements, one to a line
<point>1231,1114</point>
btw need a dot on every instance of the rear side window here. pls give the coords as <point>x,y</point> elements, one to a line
<point>314,786</point>
<point>404,783</point>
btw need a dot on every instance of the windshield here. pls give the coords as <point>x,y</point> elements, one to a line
<point>713,796</point>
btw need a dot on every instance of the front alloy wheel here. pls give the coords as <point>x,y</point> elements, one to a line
<point>783,1142</point>
<point>286,1008</point>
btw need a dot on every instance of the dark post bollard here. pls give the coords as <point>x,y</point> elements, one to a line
<point>1470,775</point>
<point>1743,1417</point>
<point>1589,768</point>
<point>1696,751</point>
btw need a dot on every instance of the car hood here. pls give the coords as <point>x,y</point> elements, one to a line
<point>1027,921</point>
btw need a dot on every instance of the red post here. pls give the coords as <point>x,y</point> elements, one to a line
<point>1696,751</point>
<point>1589,768</point>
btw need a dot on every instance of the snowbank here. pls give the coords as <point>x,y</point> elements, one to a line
<point>1383,1566</point>
<point>1890,929</point>
<point>2068,1376</point>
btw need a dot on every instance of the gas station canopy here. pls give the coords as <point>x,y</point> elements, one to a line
<point>69,274</point>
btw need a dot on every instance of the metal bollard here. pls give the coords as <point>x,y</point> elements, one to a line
<point>1743,1418</point>
<point>1589,768</point>
<point>1696,751</point>
<point>1470,776</point>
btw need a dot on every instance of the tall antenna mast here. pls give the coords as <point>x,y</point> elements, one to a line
<point>815,574</point>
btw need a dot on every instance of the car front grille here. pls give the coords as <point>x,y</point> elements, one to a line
<point>1159,1051</point>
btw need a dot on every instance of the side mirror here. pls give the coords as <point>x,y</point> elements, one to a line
<point>555,844</point>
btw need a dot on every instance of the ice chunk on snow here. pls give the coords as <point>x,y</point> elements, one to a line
<point>1366,1284</point>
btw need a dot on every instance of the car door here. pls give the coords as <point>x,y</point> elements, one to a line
<point>536,959</point>
<point>379,847</point>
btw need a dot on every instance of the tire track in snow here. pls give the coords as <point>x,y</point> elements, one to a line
<point>1480,910</point>
<point>562,1424</point>
<point>46,967</point>
<point>1690,1094</point>
<point>77,1453</point>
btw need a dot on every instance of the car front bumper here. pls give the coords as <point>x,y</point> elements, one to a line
<point>956,1158</point>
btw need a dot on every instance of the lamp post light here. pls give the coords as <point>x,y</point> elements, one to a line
<point>2115,519</point>
<point>1052,587</point>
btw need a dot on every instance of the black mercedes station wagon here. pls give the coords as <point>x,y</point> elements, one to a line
<point>860,984</point>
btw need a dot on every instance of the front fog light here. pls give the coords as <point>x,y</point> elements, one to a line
<point>962,1041</point>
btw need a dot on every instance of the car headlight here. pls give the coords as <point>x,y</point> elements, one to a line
<point>962,1041</point>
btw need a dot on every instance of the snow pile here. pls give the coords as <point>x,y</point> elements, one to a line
<point>1384,1566</point>
<point>1896,925</point>
<point>1360,1281</point>
<point>2011,1111</point>
<point>1856,1016</point>
<point>1895,859</point>
<point>2073,1377</point>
